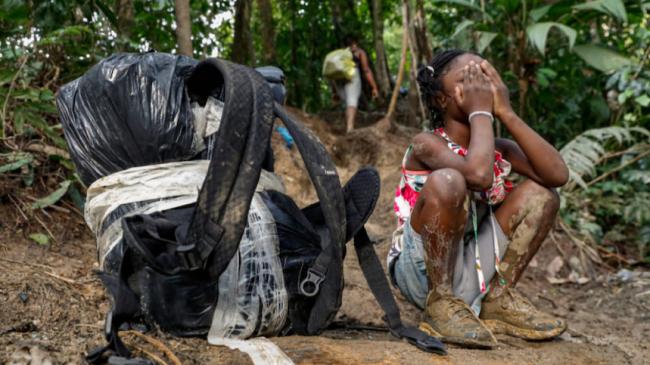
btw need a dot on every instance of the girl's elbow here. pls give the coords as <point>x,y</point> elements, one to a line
<point>481,180</point>
<point>560,177</point>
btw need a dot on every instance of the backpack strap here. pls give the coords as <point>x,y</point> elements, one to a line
<point>329,262</point>
<point>378,284</point>
<point>225,197</point>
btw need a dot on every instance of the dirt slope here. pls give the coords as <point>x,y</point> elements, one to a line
<point>52,306</point>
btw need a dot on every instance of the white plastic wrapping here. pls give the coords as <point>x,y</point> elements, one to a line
<point>252,296</point>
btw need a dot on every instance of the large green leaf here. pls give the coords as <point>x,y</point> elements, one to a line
<point>600,58</point>
<point>614,8</point>
<point>538,34</point>
<point>538,13</point>
<point>54,197</point>
<point>461,27</point>
<point>484,40</point>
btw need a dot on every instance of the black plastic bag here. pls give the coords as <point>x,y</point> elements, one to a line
<point>128,110</point>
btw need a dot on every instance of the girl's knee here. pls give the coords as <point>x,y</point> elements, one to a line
<point>548,196</point>
<point>446,186</point>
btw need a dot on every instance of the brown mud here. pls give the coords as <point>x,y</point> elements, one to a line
<point>52,305</point>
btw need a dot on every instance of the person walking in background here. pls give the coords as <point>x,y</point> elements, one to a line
<point>349,91</point>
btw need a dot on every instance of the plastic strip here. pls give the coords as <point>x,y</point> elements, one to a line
<point>244,310</point>
<point>260,349</point>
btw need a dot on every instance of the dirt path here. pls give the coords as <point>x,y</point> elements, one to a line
<point>52,305</point>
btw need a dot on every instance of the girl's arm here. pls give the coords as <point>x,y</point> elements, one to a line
<point>477,166</point>
<point>529,154</point>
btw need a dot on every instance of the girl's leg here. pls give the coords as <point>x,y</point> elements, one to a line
<point>439,216</point>
<point>526,217</point>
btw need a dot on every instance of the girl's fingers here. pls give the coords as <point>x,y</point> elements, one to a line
<point>472,73</point>
<point>458,95</point>
<point>490,70</point>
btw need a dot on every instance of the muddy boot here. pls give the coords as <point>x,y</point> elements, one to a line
<point>451,320</point>
<point>512,314</point>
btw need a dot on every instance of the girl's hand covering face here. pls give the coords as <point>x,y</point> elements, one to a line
<point>500,91</point>
<point>475,93</point>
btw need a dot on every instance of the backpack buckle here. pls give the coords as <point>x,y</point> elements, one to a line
<point>311,284</point>
<point>188,257</point>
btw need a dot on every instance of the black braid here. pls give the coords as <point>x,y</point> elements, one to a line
<point>431,84</point>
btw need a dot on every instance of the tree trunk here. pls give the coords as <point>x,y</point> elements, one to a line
<point>415,101</point>
<point>268,31</point>
<point>295,93</point>
<point>183,27</point>
<point>124,13</point>
<point>242,48</point>
<point>386,124</point>
<point>381,66</point>
<point>420,30</point>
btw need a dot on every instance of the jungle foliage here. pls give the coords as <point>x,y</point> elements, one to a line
<point>577,71</point>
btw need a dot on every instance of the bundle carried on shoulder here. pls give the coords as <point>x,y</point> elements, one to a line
<point>339,65</point>
<point>193,235</point>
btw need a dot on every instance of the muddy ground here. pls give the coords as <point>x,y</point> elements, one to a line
<point>52,306</point>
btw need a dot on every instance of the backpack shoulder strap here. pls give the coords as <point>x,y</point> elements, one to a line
<point>329,263</point>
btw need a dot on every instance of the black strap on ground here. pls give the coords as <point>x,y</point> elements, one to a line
<point>378,284</point>
<point>125,306</point>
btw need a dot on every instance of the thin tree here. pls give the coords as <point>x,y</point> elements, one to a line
<point>425,54</point>
<point>265,11</point>
<point>417,58</point>
<point>124,15</point>
<point>183,27</point>
<point>242,49</point>
<point>381,65</point>
<point>386,124</point>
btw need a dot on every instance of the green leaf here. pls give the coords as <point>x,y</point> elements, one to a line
<point>46,95</point>
<point>614,8</point>
<point>538,13</point>
<point>53,197</point>
<point>548,72</point>
<point>600,58</point>
<point>40,238</point>
<point>542,80</point>
<point>484,40</point>
<point>643,100</point>
<point>538,33</point>
<point>17,161</point>
<point>461,27</point>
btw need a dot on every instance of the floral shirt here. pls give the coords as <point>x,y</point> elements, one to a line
<point>411,184</point>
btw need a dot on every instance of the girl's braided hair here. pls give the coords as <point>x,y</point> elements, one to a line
<point>429,79</point>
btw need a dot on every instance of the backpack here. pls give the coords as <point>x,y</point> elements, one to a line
<point>165,268</point>
<point>339,65</point>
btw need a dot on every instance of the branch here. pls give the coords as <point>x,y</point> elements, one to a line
<point>619,168</point>
<point>402,62</point>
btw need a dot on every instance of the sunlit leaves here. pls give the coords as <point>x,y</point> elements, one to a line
<point>538,34</point>
<point>615,8</point>
<point>600,58</point>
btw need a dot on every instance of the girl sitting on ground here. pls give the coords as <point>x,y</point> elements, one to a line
<point>466,234</point>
